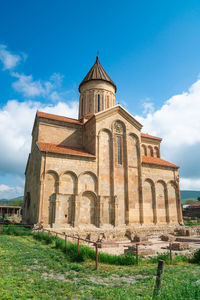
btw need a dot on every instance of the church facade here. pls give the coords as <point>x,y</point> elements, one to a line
<point>100,170</point>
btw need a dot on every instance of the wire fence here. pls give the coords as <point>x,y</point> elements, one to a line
<point>98,244</point>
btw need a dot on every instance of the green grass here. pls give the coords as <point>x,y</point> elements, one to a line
<point>15,230</point>
<point>36,269</point>
<point>191,223</point>
<point>87,253</point>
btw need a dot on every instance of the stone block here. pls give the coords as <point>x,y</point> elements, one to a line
<point>180,246</point>
<point>142,251</point>
<point>184,232</point>
<point>108,245</point>
<point>140,238</point>
<point>167,238</point>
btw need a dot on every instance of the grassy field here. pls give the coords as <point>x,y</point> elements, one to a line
<point>31,269</point>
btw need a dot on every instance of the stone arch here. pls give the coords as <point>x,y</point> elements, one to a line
<point>172,201</point>
<point>134,198</point>
<point>162,202</point>
<point>120,188</point>
<point>105,130</point>
<point>52,175</point>
<point>156,151</point>
<point>50,189</point>
<point>144,150</point>
<point>105,161</point>
<point>133,150</point>
<point>150,151</point>
<point>68,183</point>
<point>149,202</point>
<point>88,208</point>
<point>87,181</point>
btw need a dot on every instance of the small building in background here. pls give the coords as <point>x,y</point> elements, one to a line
<point>10,211</point>
<point>192,210</point>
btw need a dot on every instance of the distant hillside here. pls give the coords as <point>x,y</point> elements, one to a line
<point>18,201</point>
<point>189,195</point>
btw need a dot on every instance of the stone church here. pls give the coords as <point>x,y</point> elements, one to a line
<point>100,170</point>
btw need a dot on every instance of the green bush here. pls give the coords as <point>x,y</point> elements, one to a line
<point>15,230</point>
<point>190,223</point>
<point>48,239</point>
<point>166,258</point>
<point>86,253</point>
<point>196,257</point>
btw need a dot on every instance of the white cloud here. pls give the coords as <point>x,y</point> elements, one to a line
<point>148,107</point>
<point>178,123</point>
<point>8,59</point>
<point>16,122</point>
<point>190,184</point>
<point>29,87</point>
<point>9,192</point>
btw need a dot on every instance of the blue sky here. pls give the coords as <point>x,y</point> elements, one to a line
<point>150,49</point>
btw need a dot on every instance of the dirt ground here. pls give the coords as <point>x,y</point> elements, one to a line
<point>154,244</point>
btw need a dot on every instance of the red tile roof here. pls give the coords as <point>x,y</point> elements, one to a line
<point>157,161</point>
<point>145,135</point>
<point>60,149</point>
<point>58,118</point>
<point>195,204</point>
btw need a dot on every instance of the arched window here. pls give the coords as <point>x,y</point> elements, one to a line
<point>157,152</point>
<point>98,102</point>
<point>144,150</point>
<point>150,151</point>
<point>90,103</point>
<point>107,101</point>
<point>82,105</point>
<point>119,150</point>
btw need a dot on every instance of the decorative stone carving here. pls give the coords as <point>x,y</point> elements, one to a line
<point>118,127</point>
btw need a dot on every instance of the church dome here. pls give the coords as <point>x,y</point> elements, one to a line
<point>97,72</point>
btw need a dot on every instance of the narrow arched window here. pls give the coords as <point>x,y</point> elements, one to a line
<point>107,101</point>
<point>98,103</point>
<point>119,151</point>
<point>82,106</point>
<point>90,103</point>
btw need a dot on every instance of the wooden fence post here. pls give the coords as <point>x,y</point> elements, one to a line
<point>170,251</point>
<point>97,256</point>
<point>160,270</point>
<point>137,253</point>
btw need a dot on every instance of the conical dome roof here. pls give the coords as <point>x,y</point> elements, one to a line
<point>97,72</point>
